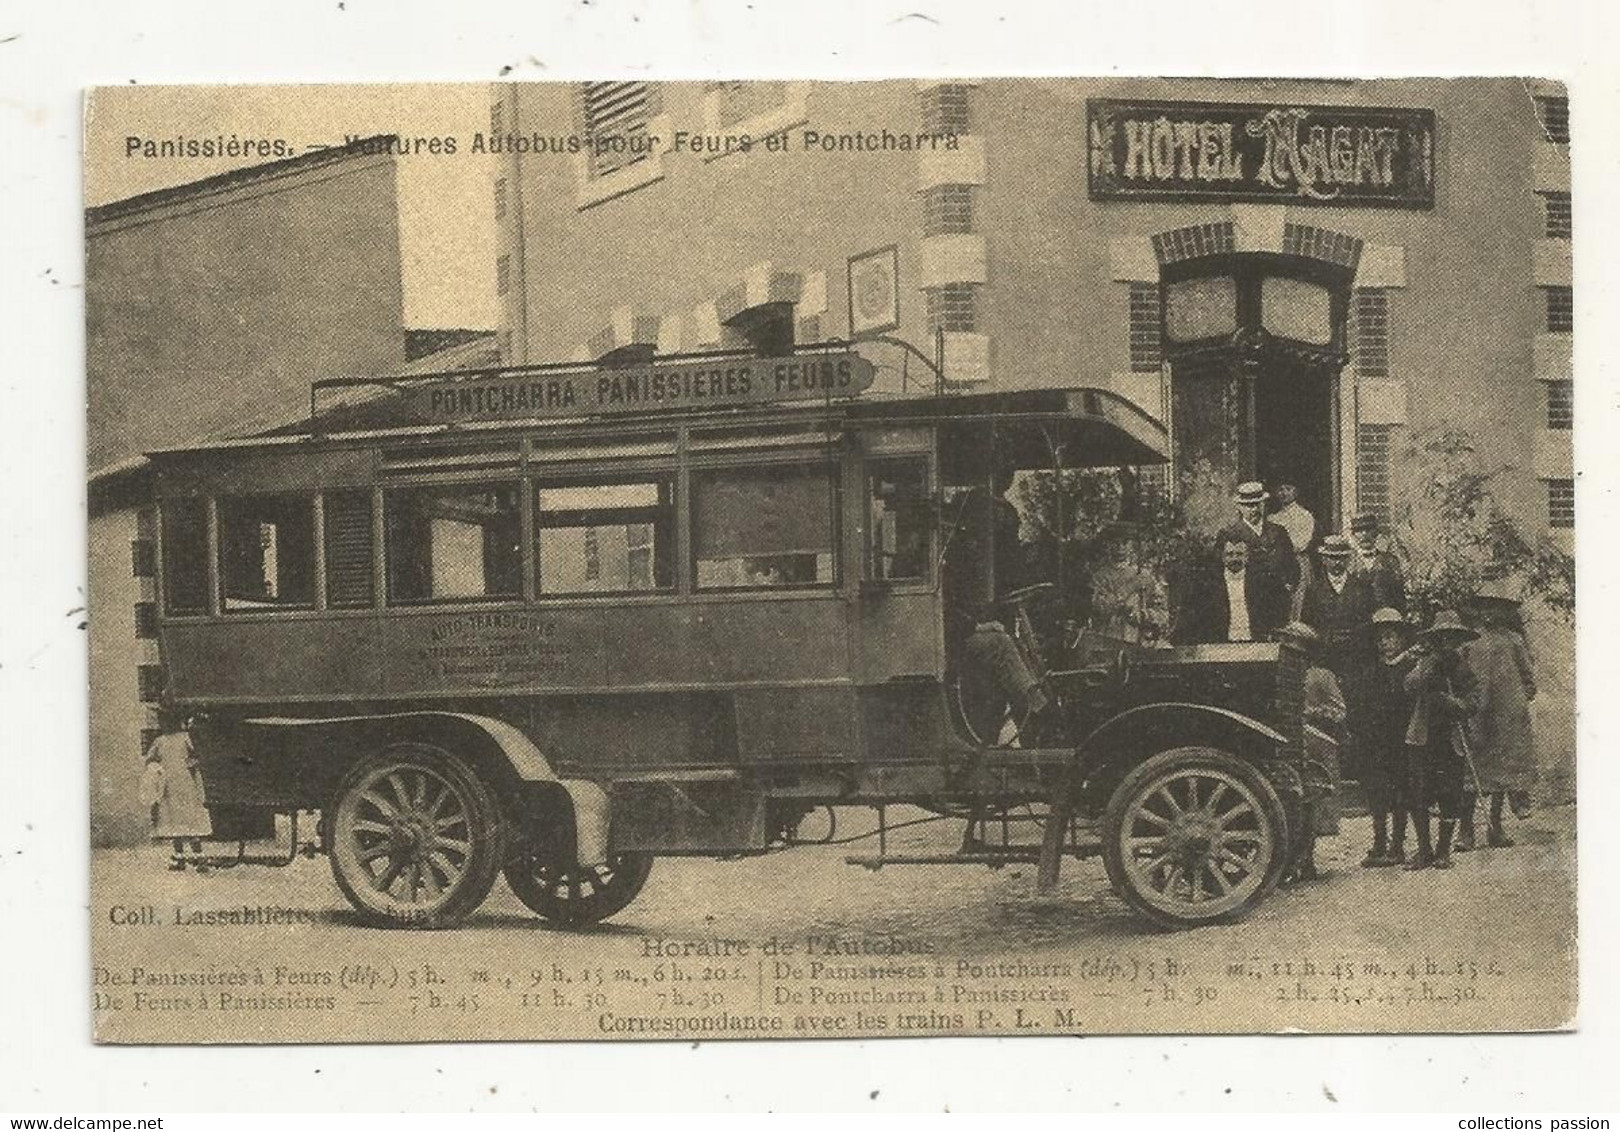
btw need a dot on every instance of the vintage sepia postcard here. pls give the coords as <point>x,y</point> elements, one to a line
<point>715,560</point>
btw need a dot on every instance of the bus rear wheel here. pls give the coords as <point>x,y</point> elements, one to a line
<point>416,838</point>
<point>1194,836</point>
<point>583,894</point>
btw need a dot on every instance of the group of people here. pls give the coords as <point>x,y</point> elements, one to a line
<point>1432,720</point>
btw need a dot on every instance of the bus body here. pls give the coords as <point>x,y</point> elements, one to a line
<point>561,647</point>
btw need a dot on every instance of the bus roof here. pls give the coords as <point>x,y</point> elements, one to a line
<point>1095,427</point>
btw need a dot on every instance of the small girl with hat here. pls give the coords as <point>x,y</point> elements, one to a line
<point>1445,695</point>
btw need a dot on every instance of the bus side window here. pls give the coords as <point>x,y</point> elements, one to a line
<point>267,552</point>
<point>765,527</point>
<point>901,518</point>
<point>455,541</point>
<point>185,557</point>
<point>605,537</point>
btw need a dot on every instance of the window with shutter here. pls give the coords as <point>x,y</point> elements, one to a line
<point>617,118</point>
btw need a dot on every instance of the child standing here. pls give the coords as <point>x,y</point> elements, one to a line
<point>1445,695</point>
<point>1388,715</point>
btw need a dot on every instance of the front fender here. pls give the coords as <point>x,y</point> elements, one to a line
<point>1137,733</point>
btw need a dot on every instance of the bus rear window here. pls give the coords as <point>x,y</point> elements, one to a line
<point>453,542</point>
<point>605,537</point>
<point>267,552</point>
<point>765,528</point>
<point>185,557</point>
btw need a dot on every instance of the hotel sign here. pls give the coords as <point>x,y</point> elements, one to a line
<point>649,387</point>
<point>1349,156</point>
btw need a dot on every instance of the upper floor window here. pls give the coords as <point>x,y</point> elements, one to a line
<point>765,527</point>
<point>740,101</point>
<point>605,536</point>
<point>617,118</point>
<point>453,542</point>
<point>267,552</point>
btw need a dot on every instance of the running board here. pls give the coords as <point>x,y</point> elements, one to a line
<point>1030,855</point>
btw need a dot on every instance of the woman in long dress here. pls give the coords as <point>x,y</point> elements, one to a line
<point>172,785</point>
<point>1504,752</point>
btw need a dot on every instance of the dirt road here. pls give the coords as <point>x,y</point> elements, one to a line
<point>801,944</point>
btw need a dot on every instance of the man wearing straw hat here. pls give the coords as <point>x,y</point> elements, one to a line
<point>1271,551</point>
<point>1502,747</point>
<point>1445,696</point>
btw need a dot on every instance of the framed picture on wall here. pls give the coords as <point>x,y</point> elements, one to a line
<point>874,291</point>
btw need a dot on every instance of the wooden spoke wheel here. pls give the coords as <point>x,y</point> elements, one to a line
<point>416,838</point>
<point>583,894</point>
<point>1194,836</point>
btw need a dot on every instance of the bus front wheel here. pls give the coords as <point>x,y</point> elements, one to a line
<point>583,894</point>
<point>416,838</point>
<point>1194,836</point>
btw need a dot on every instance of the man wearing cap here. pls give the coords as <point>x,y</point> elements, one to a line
<point>1503,751</point>
<point>1381,568</point>
<point>1445,696</point>
<point>1271,551</point>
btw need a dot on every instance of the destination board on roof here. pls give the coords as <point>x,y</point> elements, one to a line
<point>704,384</point>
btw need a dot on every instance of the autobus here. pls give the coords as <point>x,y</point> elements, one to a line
<point>555,622</point>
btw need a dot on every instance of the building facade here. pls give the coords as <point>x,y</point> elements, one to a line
<point>210,308</point>
<point>1305,280</point>
<point>1300,284</point>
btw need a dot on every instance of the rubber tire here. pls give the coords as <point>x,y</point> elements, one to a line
<point>629,876</point>
<point>486,831</point>
<point>1181,758</point>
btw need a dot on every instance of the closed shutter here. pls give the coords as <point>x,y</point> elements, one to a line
<point>349,578</point>
<point>617,117</point>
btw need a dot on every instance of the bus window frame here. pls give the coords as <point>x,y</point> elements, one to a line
<point>312,501</point>
<point>839,464</point>
<point>537,481</point>
<point>513,478</point>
